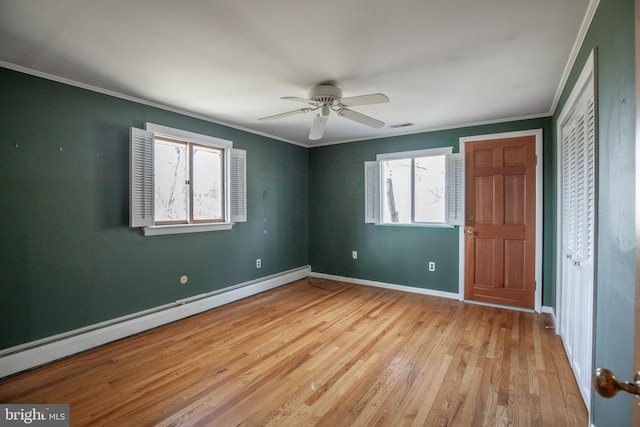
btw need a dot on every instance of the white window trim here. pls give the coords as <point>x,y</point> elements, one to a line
<point>159,230</point>
<point>416,224</point>
<point>373,188</point>
<point>427,152</point>
<point>187,136</point>
<point>235,194</point>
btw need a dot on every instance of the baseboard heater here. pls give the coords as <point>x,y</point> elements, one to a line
<point>35,353</point>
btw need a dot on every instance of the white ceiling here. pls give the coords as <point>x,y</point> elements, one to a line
<point>442,63</point>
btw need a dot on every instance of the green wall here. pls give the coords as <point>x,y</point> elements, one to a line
<point>67,256</point>
<point>399,255</point>
<point>612,35</point>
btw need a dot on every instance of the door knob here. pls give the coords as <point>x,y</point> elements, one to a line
<point>470,232</point>
<point>607,385</point>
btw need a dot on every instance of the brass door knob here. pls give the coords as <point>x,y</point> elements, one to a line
<point>607,385</point>
<point>470,232</point>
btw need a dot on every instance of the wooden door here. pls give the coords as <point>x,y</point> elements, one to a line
<point>636,359</point>
<point>501,220</point>
<point>610,390</point>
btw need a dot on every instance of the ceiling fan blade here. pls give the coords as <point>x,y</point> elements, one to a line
<point>374,98</point>
<point>297,99</point>
<point>288,113</point>
<point>360,118</point>
<point>318,126</point>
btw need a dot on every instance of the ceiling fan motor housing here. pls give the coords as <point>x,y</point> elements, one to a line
<point>325,94</point>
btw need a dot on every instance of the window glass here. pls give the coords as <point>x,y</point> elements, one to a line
<point>208,184</point>
<point>396,191</point>
<point>413,187</point>
<point>429,184</point>
<point>171,176</point>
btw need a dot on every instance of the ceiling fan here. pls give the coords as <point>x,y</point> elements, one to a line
<point>327,97</point>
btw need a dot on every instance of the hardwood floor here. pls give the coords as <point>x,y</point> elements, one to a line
<point>300,355</point>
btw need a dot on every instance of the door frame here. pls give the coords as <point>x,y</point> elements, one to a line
<point>537,133</point>
<point>636,358</point>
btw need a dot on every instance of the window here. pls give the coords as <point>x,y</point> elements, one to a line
<point>184,182</point>
<point>419,188</point>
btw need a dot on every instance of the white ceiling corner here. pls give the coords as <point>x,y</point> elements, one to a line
<point>442,63</point>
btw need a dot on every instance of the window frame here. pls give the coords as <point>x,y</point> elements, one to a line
<point>190,147</point>
<point>223,177</point>
<point>454,187</point>
<point>233,172</point>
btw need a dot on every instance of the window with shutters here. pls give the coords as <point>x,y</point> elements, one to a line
<point>418,188</point>
<point>184,182</point>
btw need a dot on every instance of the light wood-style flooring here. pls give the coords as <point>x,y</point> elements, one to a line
<point>334,354</point>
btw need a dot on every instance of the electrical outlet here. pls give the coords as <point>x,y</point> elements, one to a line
<point>432,266</point>
<point>354,254</point>
<point>258,263</point>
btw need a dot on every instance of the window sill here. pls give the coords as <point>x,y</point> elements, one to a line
<point>421,225</point>
<point>160,230</point>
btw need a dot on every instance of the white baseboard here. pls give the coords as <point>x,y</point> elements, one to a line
<point>551,311</point>
<point>403,288</point>
<point>26,356</point>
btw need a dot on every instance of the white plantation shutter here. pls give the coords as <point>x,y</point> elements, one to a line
<point>454,174</point>
<point>141,178</point>
<point>238,185</point>
<point>372,192</point>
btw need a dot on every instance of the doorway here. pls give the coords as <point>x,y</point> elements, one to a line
<point>471,235</point>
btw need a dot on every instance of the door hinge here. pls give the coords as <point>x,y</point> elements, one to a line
<point>535,285</point>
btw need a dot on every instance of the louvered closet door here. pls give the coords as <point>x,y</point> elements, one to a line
<point>578,239</point>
